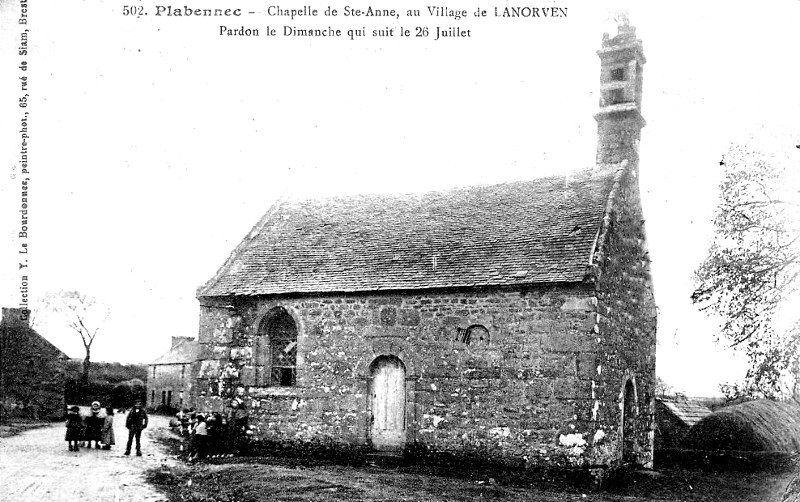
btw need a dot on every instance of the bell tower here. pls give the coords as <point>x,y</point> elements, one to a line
<point>619,120</point>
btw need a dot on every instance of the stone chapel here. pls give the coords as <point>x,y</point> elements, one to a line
<point>513,322</point>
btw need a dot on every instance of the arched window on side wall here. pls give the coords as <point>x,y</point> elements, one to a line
<point>276,349</point>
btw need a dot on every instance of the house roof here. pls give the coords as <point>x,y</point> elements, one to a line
<point>539,231</point>
<point>29,339</point>
<point>761,425</point>
<point>183,352</point>
<point>15,327</point>
<point>685,410</point>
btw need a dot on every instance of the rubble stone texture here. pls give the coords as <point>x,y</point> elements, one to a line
<point>522,315</point>
<point>32,370</point>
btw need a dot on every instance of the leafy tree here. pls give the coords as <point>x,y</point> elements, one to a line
<point>82,313</point>
<point>749,277</point>
<point>125,393</point>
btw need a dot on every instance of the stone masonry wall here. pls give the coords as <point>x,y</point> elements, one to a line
<point>627,325</point>
<point>169,377</point>
<point>32,371</point>
<point>526,395</point>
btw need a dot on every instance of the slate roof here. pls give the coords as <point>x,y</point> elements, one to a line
<point>17,330</point>
<point>185,351</point>
<point>538,231</point>
<point>685,410</point>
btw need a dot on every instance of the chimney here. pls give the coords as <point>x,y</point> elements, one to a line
<point>13,317</point>
<point>619,120</point>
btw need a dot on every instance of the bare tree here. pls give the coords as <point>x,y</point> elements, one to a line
<point>663,389</point>
<point>82,313</point>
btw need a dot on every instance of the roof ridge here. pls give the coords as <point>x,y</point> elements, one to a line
<point>248,238</point>
<point>175,349</point>
<point>570,175</point>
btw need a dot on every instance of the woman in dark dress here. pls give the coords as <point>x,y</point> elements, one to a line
<point>94,426</point>
<point>74,428</point>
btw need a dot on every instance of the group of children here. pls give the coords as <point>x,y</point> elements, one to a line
<point>213,434</point>
<point>97,427</point>
<point>210,434</point>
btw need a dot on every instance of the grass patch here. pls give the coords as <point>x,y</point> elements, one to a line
<point>700,484</point>
<point>228,481</point>
<point>304,478</point>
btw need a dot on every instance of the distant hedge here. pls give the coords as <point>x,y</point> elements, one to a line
<point>119,395</point>
<point>113,373</point>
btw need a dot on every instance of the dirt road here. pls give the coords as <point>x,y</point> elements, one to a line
<point>36,466</point>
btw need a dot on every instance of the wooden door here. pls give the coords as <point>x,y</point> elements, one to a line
<point>388,392</point>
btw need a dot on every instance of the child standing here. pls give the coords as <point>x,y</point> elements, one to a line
<point>94,424</point>
<point>107,432</point>
<point>183,422</point>
<point>74,428</point>
<point>237,427</point>
<point>213,426</point>
<point>200,438</point>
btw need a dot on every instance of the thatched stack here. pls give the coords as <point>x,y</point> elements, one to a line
<point>753,426</point>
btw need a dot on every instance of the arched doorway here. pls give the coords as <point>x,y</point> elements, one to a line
<point>387,392</point>
<point>629,424</point>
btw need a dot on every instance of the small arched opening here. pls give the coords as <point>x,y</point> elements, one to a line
<point>629,423</point>
<point>476,335</point>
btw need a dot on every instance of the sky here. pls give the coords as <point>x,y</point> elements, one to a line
<point>156,144</point>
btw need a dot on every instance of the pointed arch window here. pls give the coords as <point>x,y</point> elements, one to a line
<point>276,349</point>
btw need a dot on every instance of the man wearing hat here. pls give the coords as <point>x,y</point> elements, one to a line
<point>135,423</point>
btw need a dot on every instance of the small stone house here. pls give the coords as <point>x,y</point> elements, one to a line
<point>169,378</point>
<point>674,417</point>
<point>32,370</point>
<point>513,322</point>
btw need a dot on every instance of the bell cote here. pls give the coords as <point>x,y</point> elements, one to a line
<point>619,119</point>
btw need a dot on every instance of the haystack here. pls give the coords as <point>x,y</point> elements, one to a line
<point>753,426</point>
